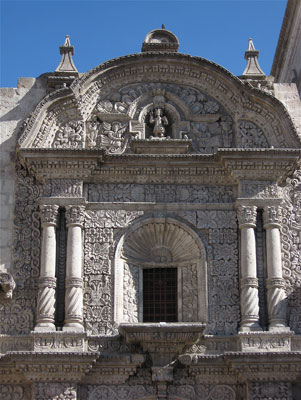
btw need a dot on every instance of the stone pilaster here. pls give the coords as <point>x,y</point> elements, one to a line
<point>74,279</point>
<point>249,283</point>
<point>276,296</point>
<point>47,280</point>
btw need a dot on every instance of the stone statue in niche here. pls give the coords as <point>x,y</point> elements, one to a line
<point>159,120</point>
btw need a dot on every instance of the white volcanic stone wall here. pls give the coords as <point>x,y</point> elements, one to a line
<point>15,105</point>
<point>288,94</point>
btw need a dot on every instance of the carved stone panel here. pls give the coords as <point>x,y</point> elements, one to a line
<point>291,248</point>
<point>100,227</point>
<point>55,391</point>
<point>120,392</point>
<point>160,193</point>
<point>201,392</point>
<point>270,390</point>
<point>250,136</point>
<point>17,315</point>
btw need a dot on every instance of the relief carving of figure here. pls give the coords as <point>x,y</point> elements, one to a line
<point>69,135</point>
<point>112,136</point>
<point>159,120</point>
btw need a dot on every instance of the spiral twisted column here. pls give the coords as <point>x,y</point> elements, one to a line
<point>74,279</point>
<point>276,296</point>
<point>249,299</point>
<point>47,280</point>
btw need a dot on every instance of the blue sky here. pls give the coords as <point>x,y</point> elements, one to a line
<point>32,31</point>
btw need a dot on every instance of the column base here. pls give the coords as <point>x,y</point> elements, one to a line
<point>73,327</point>
<point>278,327</point>
<point>44,327</point>
<point>250,327</point>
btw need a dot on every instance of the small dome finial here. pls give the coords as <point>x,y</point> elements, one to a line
<point>252,70</point>
<point>160,40</point>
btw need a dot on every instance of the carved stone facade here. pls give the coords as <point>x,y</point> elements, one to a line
<point>164,171</point>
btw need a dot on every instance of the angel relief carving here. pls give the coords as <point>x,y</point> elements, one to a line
<point>110,136</point>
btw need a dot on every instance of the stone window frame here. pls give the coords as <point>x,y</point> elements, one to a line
<point>200,262</point>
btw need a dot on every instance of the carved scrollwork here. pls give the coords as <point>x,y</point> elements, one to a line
<point>122,392</point>
<point>270,390</point>
<point>202,392</point>
<point>11,392</point>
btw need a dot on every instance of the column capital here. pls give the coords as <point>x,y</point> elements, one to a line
<point>75,215</point>
<point>246,216</point>
<point>48,214</point>
<point>272,216</point>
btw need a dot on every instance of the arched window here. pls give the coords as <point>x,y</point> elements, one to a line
<point>160,274</point>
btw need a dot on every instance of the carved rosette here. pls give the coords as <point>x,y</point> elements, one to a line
<point>246,216</point>
<point>75,215</point>
<point>48,214</point>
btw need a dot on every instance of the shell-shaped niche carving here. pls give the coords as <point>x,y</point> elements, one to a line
<point>160,242</point>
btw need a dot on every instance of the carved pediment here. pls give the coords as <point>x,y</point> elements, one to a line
<point>143,97</point>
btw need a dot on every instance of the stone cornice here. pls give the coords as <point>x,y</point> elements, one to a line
<point>227,166</point>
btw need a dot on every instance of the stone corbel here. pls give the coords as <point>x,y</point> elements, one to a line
<point>7,284</point>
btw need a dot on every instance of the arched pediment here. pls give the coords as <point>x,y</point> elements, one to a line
<point>197,97</point>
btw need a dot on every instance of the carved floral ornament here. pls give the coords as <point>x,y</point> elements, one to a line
<point>202,97</point>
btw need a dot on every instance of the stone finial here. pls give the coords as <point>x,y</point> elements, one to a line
<point>160,40</point>
<point>66,65</point>
<point>252,70</point>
